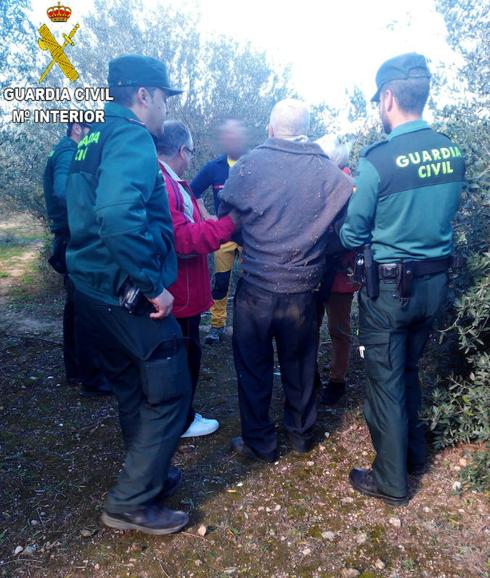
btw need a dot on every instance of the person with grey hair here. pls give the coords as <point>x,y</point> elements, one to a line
<point>336,150</point>
<point>290,120</point>
<point>340,289</point>
<point>287,193</point>
<point>195,238</point>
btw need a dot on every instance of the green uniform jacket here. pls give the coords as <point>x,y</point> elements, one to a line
<point>54,181</point>
<point>118,212</point>
<point>407,193</point>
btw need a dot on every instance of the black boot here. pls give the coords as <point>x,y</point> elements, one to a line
<point>332,392</point>
<point>240,447</point>
<point>363,481</point>
<point>300,445</point>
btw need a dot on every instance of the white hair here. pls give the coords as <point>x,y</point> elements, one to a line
<point>290,118</point>
<point>336,151</point>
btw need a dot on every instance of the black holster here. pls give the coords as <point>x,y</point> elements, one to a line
<point>371,274</point>
<point>405,279</point>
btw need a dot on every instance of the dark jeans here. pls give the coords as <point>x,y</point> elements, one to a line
<point>190,331</point>
<point>394,336</point>
<point>146,362</point>
<point>260,317</point>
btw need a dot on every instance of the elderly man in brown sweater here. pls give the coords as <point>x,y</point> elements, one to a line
<point>287,194</point>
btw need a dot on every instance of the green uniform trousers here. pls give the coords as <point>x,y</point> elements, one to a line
<point>394,336</point>
<point>146,362</point>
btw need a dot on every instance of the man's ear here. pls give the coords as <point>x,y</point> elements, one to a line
<point>270,130</point>
<point>389,100</point>
<point>143,97</point>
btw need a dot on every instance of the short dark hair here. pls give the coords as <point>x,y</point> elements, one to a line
<point>124,95</point>
<point>175,135</point>
<point>69,126</point>
<point>411,94</point>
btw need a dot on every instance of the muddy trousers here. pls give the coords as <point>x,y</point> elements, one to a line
<point>259,318</point>
<point>146,362</point>
<point>224,260</point>
<point>394,336</point>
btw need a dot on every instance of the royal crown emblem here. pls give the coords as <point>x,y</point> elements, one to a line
<point>48,42</point>
<point>59,13</point>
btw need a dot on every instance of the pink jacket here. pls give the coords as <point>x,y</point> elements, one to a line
<point>193,242</point>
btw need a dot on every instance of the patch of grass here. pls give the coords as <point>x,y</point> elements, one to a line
<point>9,251</point>
<point>476,475</point>
<point>26,284</point>
<point>408,564</point>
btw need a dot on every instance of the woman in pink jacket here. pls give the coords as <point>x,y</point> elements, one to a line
<point>195,238</point>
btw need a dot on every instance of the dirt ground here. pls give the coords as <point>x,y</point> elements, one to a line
<point>295,518</point>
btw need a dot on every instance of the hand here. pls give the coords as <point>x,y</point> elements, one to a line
<point>204,212</point>
<point>163,305</point>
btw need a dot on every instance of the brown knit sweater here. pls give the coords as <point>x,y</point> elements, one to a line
<point>287,194</point>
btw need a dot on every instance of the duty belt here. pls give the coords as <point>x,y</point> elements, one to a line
<point>392,271</point>
<point>368,272</point>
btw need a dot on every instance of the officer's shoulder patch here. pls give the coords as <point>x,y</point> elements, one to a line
<point>366,150</point>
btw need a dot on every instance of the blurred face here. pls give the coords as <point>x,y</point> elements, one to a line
<point>233,140</point>
<point>78,132</point>
<point>156,110</point>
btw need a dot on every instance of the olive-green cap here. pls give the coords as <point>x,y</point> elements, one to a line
<point>137,70</point>
<point>410,65</point>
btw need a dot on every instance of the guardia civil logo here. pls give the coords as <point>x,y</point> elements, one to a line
<point>47,42</point>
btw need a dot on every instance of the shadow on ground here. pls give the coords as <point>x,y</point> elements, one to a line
<point>298,517</point>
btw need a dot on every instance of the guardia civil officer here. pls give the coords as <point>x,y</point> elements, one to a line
<point>408,191</point>
<point>81,361</point>
<point>121,259</point>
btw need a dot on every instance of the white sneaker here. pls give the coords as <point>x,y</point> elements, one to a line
<point>201,427</point>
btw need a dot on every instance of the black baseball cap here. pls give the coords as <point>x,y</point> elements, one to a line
<point>137,70</point>
<point>410,65</point>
